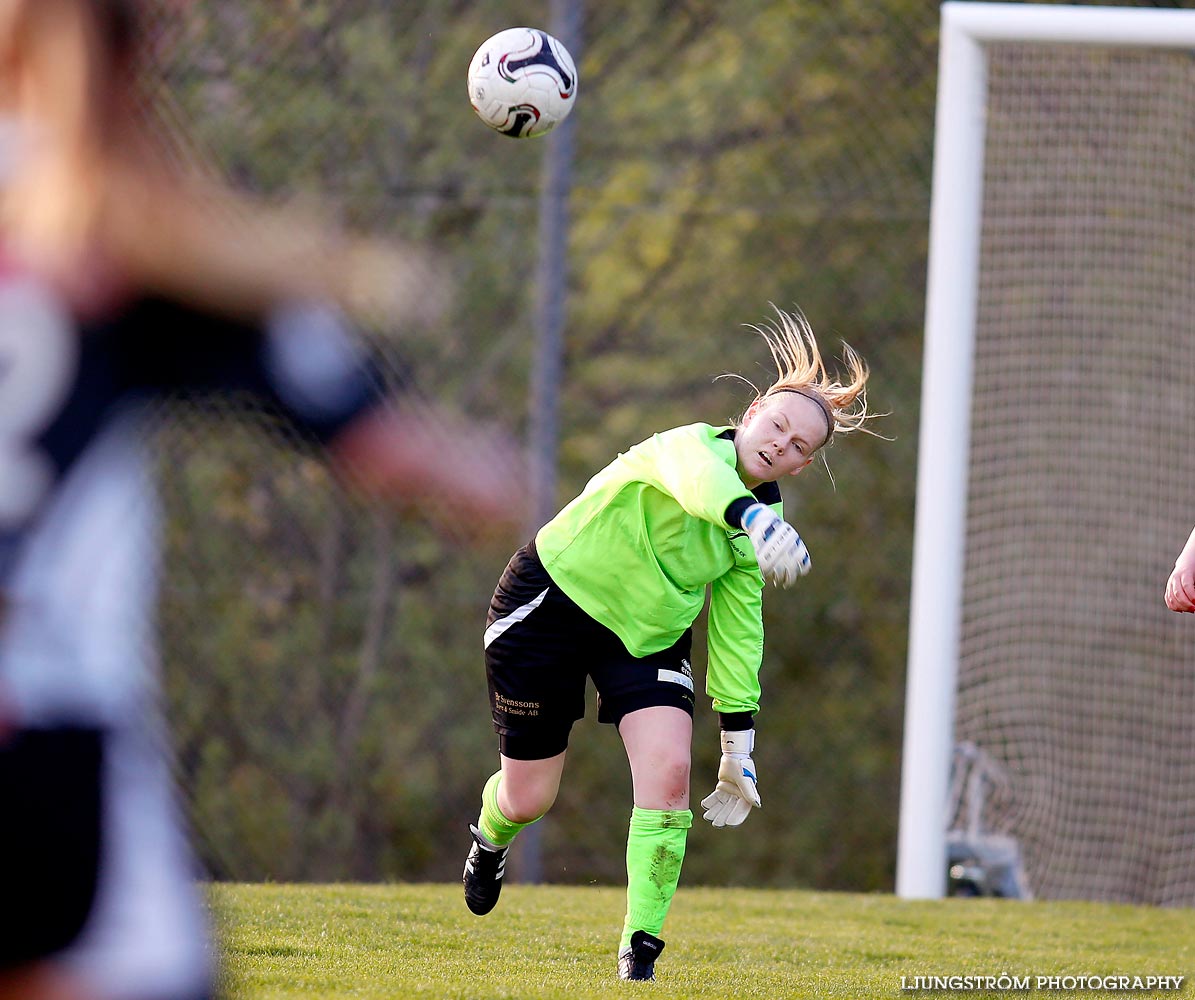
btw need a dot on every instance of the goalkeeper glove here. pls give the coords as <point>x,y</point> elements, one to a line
<point>781,554</point>
<point>729,803</point>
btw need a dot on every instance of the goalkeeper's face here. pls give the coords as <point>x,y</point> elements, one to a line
<point>778,437</point>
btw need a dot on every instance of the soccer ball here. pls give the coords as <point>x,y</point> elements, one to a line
<point>522,82</point>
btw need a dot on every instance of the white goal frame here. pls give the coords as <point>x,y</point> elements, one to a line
<point>944,441</point>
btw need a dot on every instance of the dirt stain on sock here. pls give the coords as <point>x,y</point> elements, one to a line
<point>664,870</point>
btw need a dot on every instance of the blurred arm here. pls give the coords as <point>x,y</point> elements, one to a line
<point>464,476</point>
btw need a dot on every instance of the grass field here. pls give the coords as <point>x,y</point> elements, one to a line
<point>394,941</point>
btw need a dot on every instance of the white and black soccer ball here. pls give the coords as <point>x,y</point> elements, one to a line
<point>522,82</point>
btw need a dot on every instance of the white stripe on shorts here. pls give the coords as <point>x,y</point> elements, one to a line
<point>675,677</point>
<point>502,624</point>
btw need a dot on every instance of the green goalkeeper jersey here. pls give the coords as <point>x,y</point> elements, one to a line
<point>648,533</point>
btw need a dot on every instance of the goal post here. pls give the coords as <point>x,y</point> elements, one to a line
<point>969,30</point>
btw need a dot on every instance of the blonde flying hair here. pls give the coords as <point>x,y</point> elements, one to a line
<point>800,369</point>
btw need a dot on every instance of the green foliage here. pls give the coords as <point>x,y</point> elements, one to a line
<point>559,943</point>
<point>325,672</point>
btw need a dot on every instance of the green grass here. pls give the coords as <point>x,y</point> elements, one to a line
<point>395,941</point>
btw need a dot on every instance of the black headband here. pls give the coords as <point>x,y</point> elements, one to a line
<point>822,405</point>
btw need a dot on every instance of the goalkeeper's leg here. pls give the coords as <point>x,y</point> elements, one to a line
<point>513,798</point>
<point>537,643</point>
<point>657,741</point>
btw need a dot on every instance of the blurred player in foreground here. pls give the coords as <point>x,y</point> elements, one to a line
<point>610,588</point>
<point>121,282</point>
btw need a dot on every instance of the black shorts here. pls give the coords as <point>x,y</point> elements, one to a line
<point>50,785</point>
<point>540,647</point>
<point>94,867</point>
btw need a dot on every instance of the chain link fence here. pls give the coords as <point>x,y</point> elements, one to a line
<point>323,659</point>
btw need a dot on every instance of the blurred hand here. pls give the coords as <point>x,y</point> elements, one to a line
<point>468,478</point>
<point>402,284</point>
<point>1180,588</point>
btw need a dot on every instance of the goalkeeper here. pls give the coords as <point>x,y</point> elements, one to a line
<point>610,588</point>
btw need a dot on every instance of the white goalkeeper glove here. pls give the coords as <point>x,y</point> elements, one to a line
<point>781,554</point>
<point>729,803</point>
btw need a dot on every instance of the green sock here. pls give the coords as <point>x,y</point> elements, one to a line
<point>495,827</point>
<point>655,851</point>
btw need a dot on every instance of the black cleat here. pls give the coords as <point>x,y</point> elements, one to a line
<point>639,960</point>
<point>484,868</point>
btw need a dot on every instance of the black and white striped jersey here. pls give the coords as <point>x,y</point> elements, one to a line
<point>78,545</point>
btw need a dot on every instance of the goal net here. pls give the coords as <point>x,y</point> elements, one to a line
<point>1077,485</point>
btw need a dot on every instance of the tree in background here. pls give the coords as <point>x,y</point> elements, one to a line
<point>728,155</point>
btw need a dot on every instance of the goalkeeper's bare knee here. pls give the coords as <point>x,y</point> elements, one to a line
<point>528,788</point>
